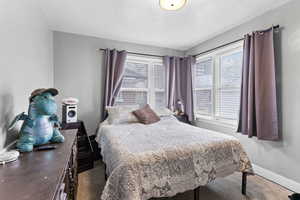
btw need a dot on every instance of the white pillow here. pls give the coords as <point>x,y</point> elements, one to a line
<point>163,112</point>
<point>121,114</point>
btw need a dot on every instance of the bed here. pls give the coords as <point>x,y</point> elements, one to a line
<point>166,158</point>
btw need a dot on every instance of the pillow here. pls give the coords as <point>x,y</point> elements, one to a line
<point>121,114</point>
<point>163,112</point>
<point>146,115</point>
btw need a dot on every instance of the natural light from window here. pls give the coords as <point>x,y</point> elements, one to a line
<point>216,85</point>
<point>143,82</point>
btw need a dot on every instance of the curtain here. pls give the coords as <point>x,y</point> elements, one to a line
<point>114,62</point>
<point>179,83</point>
<point>258,104</point>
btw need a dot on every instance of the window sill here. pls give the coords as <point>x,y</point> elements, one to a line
<point>217,124</point>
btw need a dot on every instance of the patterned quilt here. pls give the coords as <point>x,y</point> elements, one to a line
<point>165,158</point>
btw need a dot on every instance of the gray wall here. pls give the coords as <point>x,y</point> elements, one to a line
<point>280,157</point>
<point>79,70</point>
<point>25,59</point>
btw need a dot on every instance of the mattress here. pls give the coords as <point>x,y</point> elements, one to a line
<point>165,158</point>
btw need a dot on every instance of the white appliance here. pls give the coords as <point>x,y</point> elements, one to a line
<point>69,110</point>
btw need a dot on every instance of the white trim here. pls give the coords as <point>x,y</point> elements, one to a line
<point>135,89</point>
<point>279,179</point>
<point>144,59</point>
<point>216,122</point>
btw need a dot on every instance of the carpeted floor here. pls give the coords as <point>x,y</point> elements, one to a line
<point>91,184</point>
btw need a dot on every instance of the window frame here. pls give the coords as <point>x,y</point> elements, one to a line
<point>150,90</point>
<point>216,57</point>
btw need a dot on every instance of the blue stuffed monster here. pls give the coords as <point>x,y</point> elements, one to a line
<point>41,124</point>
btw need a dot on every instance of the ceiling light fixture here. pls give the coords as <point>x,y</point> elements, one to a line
<point>172,4</point>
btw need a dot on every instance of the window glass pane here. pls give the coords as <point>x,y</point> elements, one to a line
<point>131,98</point>
<point>203,85</point>
<point>203,74</point>
<point>140,88</point>
<point>160,99</point>
<point>159,77</point>
<point>203,102</point>
<point>230,83</point>
<point>136,75</point>
<point>231,67</point>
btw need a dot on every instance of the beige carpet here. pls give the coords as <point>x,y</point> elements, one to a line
<point>91,184</point>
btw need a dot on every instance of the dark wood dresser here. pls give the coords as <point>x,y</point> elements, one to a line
<point>85,154</point>
<point>42,175</point>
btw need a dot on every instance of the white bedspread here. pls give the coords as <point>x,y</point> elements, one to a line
<point>165,158</point>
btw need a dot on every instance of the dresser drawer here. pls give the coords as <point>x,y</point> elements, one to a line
<point>68,185</point>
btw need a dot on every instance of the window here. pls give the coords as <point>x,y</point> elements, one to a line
<point>143,82</point>
<point>216,85</point>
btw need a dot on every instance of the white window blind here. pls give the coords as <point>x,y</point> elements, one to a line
<point>143,82</point>
<point>203,87</point>
<point>228,92</point>
<point>127,97</point>
<point>159,85</point>
<point>136,75</point>
<point>216,85</point>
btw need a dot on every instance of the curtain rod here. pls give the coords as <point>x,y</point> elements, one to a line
<point>227,44</point>
<point>198,54</point>
<point>140,54</point>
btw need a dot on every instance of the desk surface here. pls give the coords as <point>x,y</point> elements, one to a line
<point>36,175</point>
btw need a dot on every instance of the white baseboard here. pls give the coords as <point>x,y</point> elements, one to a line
<point>281,180</point>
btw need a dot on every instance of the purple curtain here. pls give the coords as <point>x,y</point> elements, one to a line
<point>115,67</point>
<point>179,83</point>
<point>258,105</point>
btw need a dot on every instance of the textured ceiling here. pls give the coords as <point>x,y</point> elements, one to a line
<point>144,22</point>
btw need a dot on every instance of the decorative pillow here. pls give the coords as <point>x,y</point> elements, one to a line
<point>121,114</point>
<point>146,115</point>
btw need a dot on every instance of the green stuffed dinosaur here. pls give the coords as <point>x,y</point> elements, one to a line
<point>40,125</point>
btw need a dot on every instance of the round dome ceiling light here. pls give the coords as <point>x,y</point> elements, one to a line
<point>172,4</point>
